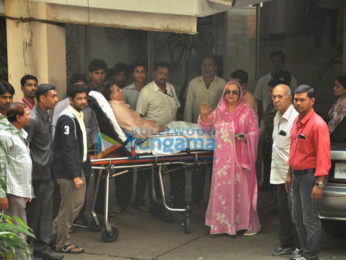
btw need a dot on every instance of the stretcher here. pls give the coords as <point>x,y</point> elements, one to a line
<point>118,152</point>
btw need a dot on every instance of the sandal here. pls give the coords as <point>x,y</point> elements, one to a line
<point>250,232</point>
<point>72,249</point>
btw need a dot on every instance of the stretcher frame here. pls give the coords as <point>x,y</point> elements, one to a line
<point>120,165</point>
<point>115,166</point>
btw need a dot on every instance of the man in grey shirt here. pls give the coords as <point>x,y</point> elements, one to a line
<point>130,94</point>
<point>205,88</point>
<point>131,91</point>
<point>40,210</point>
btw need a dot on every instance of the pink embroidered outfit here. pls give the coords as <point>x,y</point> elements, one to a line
<point>233,197</point>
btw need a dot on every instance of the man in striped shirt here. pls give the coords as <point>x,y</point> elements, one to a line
<point>17,165</point>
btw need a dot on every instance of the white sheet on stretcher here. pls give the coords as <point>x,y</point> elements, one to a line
<point>180,136</point>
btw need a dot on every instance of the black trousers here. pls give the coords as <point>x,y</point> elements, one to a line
<point>123,189</point>
<point>143,175</point>
<point>177,179</point>
<point>198,182</point>
<point>287,235</point>
<point>40,213</point>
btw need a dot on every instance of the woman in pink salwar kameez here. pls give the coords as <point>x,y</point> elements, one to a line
<point>233,197</point>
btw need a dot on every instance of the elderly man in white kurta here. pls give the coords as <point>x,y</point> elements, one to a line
<point>283,122</point>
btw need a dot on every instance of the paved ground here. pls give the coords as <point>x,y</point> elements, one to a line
<point>145,237</point>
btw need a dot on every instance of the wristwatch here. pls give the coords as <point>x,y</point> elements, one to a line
<point>319,184</point>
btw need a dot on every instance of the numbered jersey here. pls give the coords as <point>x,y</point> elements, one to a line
<point>68,148</point>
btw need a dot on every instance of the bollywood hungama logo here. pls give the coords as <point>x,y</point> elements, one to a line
<point>172,140</point>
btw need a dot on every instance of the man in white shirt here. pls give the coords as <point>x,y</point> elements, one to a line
<point>283,122</point>
<point>205,88</point>
<point>158,101</point>
<point>16,167</point>
<point>277,63</point>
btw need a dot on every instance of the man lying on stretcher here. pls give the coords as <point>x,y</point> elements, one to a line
<point>127,118</point>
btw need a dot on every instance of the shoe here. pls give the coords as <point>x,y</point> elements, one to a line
<point>112,213</point>
<point>295,254</point>
<point>141,207</point>
<point>282,251</point>
<point>250,232</point>
<point>118,208</point>
<point>52,243</point>
<point>72,230</point>
<point>47,255</point>
<point>302,258</point>
<point>82,221</point>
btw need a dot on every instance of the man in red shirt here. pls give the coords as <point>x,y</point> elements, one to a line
<point>309,164</point>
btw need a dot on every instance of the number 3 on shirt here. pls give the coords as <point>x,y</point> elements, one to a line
<point>67,130</point>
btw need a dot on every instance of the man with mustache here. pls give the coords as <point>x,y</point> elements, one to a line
<point>29,86</point>
<point>71,163</point>
<point>6,99</point>
<point>158,101</point>
<point>309,164</point>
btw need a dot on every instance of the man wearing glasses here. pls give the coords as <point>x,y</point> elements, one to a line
<point>283,121</point>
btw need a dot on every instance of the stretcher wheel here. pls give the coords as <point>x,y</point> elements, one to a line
<point>111,236</point>
<point>187,224</point>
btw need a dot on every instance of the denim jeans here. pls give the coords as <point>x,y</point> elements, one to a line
<point>305,213</point>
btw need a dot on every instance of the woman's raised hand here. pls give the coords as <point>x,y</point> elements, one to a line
<point>204,109</point>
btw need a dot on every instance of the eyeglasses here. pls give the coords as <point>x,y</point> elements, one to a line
<point>233,92</point>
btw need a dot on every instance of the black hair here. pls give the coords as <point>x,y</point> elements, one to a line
<point>274,82</point>
<point>161,64</point>
<point>305,88</point>
<point>139,63</point>
<point>25,78</point>
<point>241,75</point>
<point>282,74</point>
<point>43,90</point>
<point>97,64</point>
<point>77,77</point>
<point>278,53</point>
<point>15,109</point>
<point>6,87</point>
<point>342,80</point>
<point>107,91</point>
<point>209,56</point>
<point>120,67</point>
<point>75,89</point>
